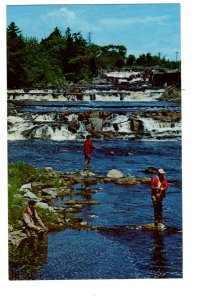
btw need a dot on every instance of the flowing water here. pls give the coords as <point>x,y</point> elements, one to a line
<point>108,254</point>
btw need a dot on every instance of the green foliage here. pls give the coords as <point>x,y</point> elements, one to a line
<point>18,174</point>
<point>60,59</point>
<point>112,57</point>
<point>131,59</point>
<point>42,66</point>
<point>147,60</point>
<point>16,75</point>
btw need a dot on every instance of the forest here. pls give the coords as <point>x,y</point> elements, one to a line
<point>70,58</point>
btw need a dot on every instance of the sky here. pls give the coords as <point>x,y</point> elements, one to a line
<point>141,28</point>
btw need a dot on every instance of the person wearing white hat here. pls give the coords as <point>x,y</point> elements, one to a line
<point>159,186</point>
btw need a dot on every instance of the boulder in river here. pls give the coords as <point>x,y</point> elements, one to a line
<point>115,174</point>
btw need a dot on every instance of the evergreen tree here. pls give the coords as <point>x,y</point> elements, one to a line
<point>42,68</point>
<point>16,75</point>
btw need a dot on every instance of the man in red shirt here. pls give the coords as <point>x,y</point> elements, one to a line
<point>88,147</point>
<point>159,186</point>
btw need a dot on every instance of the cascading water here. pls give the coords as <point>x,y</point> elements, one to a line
<point>57,126</point>
<point>161,129</point>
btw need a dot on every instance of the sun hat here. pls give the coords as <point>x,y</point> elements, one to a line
<point>161,171</point>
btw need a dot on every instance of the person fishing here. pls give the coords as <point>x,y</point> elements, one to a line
<point>88,147</point>
<point>159,186</point>
<point>30,219</point>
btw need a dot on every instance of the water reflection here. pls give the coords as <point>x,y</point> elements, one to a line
<point>87,196</point>
<point>31,255</point>
<point>158,261</point>
<point>154,262</point>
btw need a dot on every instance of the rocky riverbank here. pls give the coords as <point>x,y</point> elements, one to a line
<point>48,186</point>
<point>171,94</point>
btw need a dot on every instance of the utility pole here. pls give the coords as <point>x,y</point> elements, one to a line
<point>176,55</point>
<point>89,38</point>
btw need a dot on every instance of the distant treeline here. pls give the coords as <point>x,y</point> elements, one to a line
<point>59,60</point>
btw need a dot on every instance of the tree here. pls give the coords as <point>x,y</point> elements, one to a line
<point>112,56</point>
<point>42,68</point>
<point>55,46</point>
<point>131,59</point>
<point>16,74</point>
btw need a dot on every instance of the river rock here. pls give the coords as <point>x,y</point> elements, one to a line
<point>96,123</point>
<point>48,168</point>
<point>26,187</point>
<point>43,205</point>
<point>115,174</point>
<point>31,196</point>
<point>74,126</point>
<point>136,125</point>
<point>127,180</point>
<point>10,228</point>
<point>15,237</point>
<point>53,192</point>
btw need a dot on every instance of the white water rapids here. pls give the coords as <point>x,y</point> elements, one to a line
<point>49,126</point>
<point>146,95</point>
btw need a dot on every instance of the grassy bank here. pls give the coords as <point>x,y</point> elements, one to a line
<point>19,174</point>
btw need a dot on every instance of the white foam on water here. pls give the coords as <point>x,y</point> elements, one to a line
<point>158,128</point>
<point>14,119</point>
<point>45,118</point>
<point>16,135</point>
<point>124,127</point>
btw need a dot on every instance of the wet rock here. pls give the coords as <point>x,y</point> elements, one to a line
<point>144,180</point>
<point>73,209</point>
<point>31,196</point>
<point>88,127</point>
<point>88,202</point>
<point>127,180</point>
<point>129,154</point>
<point>152,227</point>
<point>15,237</point>
<point>10,228</point>
<point>96,123</point>
<point>108,134</point>
<point>48,169</point>
<point>115,174</point>
<point>136,125</point>
<point>26,187</point>
<point>53,192</point>
<point>45,206</point>
<point>74,126</point>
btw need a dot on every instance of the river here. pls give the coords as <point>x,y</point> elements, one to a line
<point>111,254</point>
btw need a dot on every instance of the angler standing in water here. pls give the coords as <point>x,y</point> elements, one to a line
<point>88,147</point>
<point>159,186</point>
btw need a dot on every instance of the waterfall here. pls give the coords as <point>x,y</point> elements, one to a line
<point>87,95</point>
<point>45,118</point>
<point>59,126</point>
<point>119,123</point>
<point>161,129</point>
<point>57,133</point>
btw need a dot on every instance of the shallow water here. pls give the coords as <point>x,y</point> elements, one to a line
<point>113,254</point>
